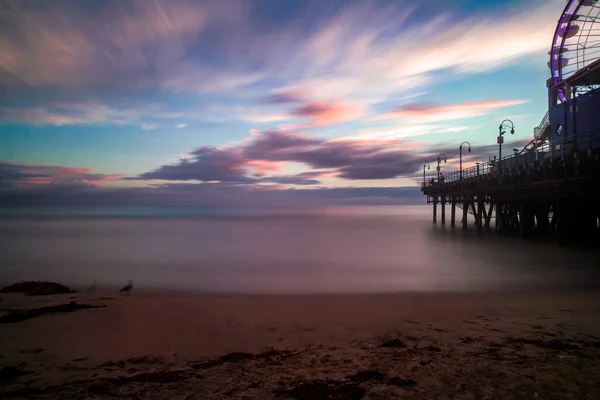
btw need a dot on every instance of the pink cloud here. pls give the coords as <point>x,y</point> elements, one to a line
<point>387,143</point>
<point>32,175</point>
<point>327,113</point>
<point>429,112</point>
<point>262,167</point>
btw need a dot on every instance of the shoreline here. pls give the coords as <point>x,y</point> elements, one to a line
<point>285,341</point>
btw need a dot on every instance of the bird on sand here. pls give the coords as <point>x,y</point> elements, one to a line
<point>127,288</point>
<point>92,287</point>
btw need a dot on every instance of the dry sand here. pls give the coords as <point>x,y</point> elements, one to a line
<point>417,346</point>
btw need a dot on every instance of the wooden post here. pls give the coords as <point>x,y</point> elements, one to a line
<point>554,219</point>
<point>488,216</point>
<point>443,210</point>
<point>480,208</point>
<point>435,200</point>
<point>465,214</point>
<point>499,215</point>
<point>522,218</point>
<point>453,213</point>
<point>474,211</point>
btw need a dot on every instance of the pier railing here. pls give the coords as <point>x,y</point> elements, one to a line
<point>585,141</point>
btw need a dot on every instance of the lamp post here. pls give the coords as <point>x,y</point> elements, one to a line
<point>501,133</point>
<point>428,167</point>
<point>440,158</point>
<point>460,154</point>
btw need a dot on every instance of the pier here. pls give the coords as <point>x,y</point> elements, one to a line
<point>535,192</point>
<point>551,187</point>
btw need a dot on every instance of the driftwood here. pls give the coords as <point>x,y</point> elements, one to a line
<point>22,315</point>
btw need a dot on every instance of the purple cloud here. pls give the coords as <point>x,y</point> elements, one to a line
<point>304,178</point>
<point>207,164</point>
<point>36,175</point>
<point>210,164</point>
<point>349,159</point>
<point>354,160</point>
<point>283,97</point>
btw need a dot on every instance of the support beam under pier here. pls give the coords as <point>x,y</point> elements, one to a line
<point>443,210</point>
<point>465,214</point>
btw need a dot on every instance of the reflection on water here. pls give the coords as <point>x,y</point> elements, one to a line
<point>327,249</point>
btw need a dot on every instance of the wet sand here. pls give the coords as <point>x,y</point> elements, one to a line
<point>410,345</point>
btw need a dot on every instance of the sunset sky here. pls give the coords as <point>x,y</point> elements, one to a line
<point>259,101</point>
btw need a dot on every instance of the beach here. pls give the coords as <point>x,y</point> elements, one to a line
<point>306,303</point>
<point>173,345</point>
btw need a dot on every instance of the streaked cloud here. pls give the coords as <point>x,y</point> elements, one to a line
<point>19,176</point>
<point>327,113</point>
<point>429,112</point>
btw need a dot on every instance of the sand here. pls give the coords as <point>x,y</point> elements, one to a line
<point>198,346</point>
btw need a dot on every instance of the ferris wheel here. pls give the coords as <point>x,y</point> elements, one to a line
<point>576,42</point>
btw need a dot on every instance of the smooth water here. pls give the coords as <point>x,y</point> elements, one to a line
<point>278,250</point>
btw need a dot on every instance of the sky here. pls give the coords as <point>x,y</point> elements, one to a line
<point>260,101</point>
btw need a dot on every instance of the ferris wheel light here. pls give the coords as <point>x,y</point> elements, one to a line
<point>568,31</point>
<point>572,17</point>
<point>561,62</point>
<point>558,50</point>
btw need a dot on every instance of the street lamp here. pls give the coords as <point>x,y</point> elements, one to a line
<point>428,167</point>
<point>501,135</point>
<point>460,153</point>
<point>440,157</point>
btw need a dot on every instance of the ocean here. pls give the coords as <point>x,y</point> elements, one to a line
<point>346,249</point>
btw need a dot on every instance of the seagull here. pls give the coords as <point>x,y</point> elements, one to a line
<point>92,287</point>
<point>127,288</point>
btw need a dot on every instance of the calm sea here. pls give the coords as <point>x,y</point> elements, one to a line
<point>278,250</point>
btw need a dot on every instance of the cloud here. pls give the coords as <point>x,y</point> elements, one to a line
<point>329,67</point>
<point>261,167</point>
<point>192,78</point>
<point>205,164</point>
<point>304,178</point>
<point>428,112</point>
<point>266,153</point>
<point>87,113</point>
<point>361,53</point>
<point>386,135</point>
<point>72,46</point>
<point>148,126</point>
<point>327,113</point>
<point>357,49</point>
<point>262,116</point>
<point>67,114</point>
<point>36,175</point>
<point>353,160</point>
<point>284,96</point>
<point>181,126</point>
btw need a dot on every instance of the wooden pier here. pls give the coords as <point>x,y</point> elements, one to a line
<point>539,191</point>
